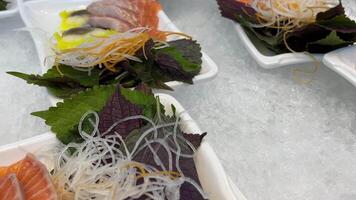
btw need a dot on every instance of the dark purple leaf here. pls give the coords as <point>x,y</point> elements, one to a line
<point>195,139</point>
<point>299,39</point>
<point>116,109</point>
<point>232,8</point>
<point>148,51</point>
<point>340,24</point>
<point>331,13</point>
<point>187,165</point>
<point>181,60</point>
<point>172,67</point>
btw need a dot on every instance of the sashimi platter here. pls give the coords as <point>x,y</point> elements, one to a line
<point>111,136</point>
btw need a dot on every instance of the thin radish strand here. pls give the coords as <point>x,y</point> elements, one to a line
<point>288,14</point>
<point>102,166</point>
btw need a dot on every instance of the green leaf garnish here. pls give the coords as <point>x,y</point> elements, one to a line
<point>66,115</point>
<point>62,84</point>
<point>331,39</point>
<point>146,101</point>
<point>340,23</point>
<point>3,4</point>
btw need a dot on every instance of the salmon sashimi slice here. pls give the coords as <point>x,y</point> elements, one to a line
<point>123,15</point>
<point>34,178</point>
<point>150,18</point>
<point>10,188</point>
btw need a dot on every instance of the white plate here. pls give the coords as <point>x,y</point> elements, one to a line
<point>12,10</point>
<point>42,19</point>
<point>343,61</point>
<point>211,173</point>
<point>269,60</point>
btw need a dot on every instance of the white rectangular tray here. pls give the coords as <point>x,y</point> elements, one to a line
<point>42,19</point>
<point>210,171</point>
<point>343,61</point>
<point>272,61</point>
<point>331,59</point>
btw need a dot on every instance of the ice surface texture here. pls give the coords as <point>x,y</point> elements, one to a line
<point>18,99</point>
<point>277,139</point>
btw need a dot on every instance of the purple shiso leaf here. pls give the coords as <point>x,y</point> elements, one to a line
<point>340,23</point>
<point>195,139</point>
<point>119,108</point>
<point>299,38</point>
<point>335,19</point>
<point>231,8</point>
<point>187,165</point>
<point>116,109</point>
<point>181,61</point>
<point>331,13</point>
<point>172,67</point>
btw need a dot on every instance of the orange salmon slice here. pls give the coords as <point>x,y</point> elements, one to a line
<point>10,188</point>
<point>33,177</point>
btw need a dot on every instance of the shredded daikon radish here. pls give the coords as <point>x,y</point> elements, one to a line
<point>288,14</point>
<point>102,167</point>
<point>107,51</point>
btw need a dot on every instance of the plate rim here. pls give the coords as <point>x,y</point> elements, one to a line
<point>270,62</point>
<point>331,62</point>
<point>11,11</point>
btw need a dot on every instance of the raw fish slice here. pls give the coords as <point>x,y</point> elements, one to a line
<point>109,23</point>
<point>105,10</point>
<point>149,18</point>
<point>125,4</point>
<point>10,188</point>
<point>34,178</point>
<point>128,15</point>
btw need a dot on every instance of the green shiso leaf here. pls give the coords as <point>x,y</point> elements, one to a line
<point>84,78</point>
<point>66,115</point>
<point>146,101</point>
<point>70,82</point>
<point>138,97</point>
<point>331,39</point>
<point>331,42</point>
<point>180,61</point>
<point>186,53</point>
<point>3,5</point>
<point>66,74</point>
<point>56,86</point>
<point>339,23</point>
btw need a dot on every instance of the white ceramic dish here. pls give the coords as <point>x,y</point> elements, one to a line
<point>12,9</point>
<point>343,61</point>
<point>42,19</point>
<point>211,173</point>
<point>269,60</point>
<point>334,59</point>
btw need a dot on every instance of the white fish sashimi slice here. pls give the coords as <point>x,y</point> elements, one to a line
<point>108,22</point>
<point>104,10</point>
